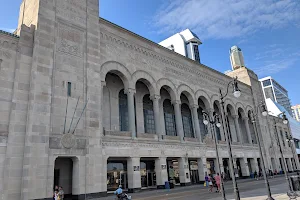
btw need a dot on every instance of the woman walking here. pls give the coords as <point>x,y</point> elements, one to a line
<point>210,183</point>
<point>218,182</point>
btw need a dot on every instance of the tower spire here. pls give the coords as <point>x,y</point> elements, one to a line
<point>236,58</point>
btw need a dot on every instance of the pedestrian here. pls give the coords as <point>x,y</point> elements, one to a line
<point>56,195</point>
<point>206,179</point>
<point>255,175</point>
<point>275,171</point>
<point>61,193</point>
<point>210,183</point>
<point>55,188</point>
<point>218,182</point>
<point>223,176</point>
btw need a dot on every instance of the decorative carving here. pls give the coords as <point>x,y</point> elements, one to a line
<point>72,10</point>
<point>68,140</point>
<point>70,40</point>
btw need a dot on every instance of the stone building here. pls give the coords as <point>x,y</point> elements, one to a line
<point>88,105</point>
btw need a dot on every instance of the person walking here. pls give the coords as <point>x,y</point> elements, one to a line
<point>55,188</point>
<point>210,183</point>
<point>255,175</point>
<point>218,182</point>
<point>56,195</point>
<point>206,180</point>
<point>61,193</point>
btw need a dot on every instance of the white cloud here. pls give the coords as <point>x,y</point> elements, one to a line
<point>274,66</point>
<point>226,18</point>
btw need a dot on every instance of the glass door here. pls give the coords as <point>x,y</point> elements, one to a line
<point>123,180</point>
<point>151,179</point>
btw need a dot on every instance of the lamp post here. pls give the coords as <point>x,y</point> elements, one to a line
<point>237,94</point>
<point>291,192</point>
<point>215,121</point>
<point>254,114</point>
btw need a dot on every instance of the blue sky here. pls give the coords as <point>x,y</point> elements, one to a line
<point>268,31</point>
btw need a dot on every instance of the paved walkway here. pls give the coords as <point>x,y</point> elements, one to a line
<point>249,190</point>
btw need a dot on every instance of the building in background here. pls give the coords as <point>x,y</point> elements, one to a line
<point>185,43</point>
<point>273,90</point>
<point>296,112</point>
<point>236,58</point>
<point>275,109</point>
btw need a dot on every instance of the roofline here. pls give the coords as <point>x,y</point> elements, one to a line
<point>9,34</point>
<point>169,51</point>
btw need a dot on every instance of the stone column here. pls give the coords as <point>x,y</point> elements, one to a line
<point>211,116</point>
<point>237,128</point>
<point>178,118</point>
<point>184,172</point>
<point>161,172</point>
<point>134,174</point>
<point>202,170</point>
<point>244,167</point>
<point>254,165</point>
<point>131,111</point>
<point>155,100</point>
<point>246,119</point>
<point>221,168</point>
<point>196,121</point>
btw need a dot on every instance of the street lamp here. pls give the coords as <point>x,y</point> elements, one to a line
<point>254,114</point>
<point>237,93</point>
<point>215,120</point>
<point>291,192</point>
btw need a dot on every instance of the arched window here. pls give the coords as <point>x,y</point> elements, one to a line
<point>218,132</point>
<point>169,114</point>
<point>253,136</point>
<point>187,121</point>
<point>123,111</point>
<point>203,128</point>
<point>149,123</point>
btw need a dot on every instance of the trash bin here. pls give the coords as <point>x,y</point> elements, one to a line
<point>167,185</point>
<point>251,175</point>
<point>295,181</point>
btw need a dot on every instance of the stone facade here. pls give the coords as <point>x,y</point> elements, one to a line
<point>63,47</point>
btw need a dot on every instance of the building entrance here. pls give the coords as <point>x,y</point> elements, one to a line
<point>210,165</point>
<point>148,176</point>
<point>194,174</point>
<point>63,175</point>
<point>116,174</point>
<point>173,171</point>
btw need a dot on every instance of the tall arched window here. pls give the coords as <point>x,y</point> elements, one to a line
<point>123,111</point>
<point>149,123</point>
<point>169,114</point>
<point>203,128</point>
<point>187,121</point>
<point>253,136</point>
